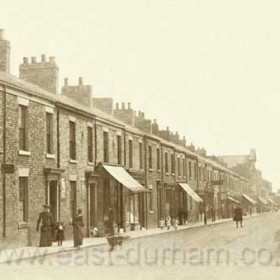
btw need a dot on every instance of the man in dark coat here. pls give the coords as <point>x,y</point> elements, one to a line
<point>238,216</point>
<point>46,220</point>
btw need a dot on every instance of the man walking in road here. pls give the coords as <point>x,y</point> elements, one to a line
<point>238,216</point>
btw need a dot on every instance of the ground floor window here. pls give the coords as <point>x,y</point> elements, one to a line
<point>23,199</point>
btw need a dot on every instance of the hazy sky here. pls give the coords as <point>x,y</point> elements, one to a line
<point>207,69</point>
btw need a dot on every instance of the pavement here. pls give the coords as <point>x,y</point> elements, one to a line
<point>24,253</point>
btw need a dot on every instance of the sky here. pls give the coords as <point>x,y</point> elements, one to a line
<point>207,69</point>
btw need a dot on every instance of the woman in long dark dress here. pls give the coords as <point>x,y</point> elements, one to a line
<point>78,224</point>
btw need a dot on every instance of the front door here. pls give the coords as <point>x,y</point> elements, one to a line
<point>54,200</point>
<point>92,205</point>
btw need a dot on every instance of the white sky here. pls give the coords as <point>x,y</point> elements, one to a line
<point>208,69</point>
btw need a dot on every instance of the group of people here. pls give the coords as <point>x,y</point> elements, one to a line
<point>47,227</point>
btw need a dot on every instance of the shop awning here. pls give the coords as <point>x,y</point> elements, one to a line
<point>262,200</point>
<point>249,199</point>
<point>188,189</point>
<point>271,201</point>
<point>233,200</point>
<point>123,177</point>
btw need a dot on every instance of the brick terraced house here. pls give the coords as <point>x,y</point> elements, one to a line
<point>70,150</point>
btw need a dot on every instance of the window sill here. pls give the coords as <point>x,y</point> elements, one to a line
<point>22,225</point>
<point>24,153</point>
<point>173,174</point>
<point>179,177</point>
<point>151,169</point>
<point>166,173</point>
<point>151,212</point>
<point>73,161</point>
<point>52,156</point>
<point>90,163</point>
<point>159,171</point>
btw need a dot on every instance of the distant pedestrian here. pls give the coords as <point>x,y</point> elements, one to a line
<point>175,223</point>
<point>161,223</point>
<point>60,233</point>
<point>45,219</point>
<point>168,222</point>
<point>238,216</point>
<point>78,224</point>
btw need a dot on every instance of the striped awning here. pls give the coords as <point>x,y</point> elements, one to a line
<point>188,189</point>
<point>231,199</point>
<point>123,177</point>
<point>249,199</point>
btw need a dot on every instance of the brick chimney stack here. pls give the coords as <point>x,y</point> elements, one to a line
<point>80,93</point>
<point>155,128</point>
<point>104,104</point>
<point>44,74</point>
<point>124,114</point>
<point>4,53</point>
<point>165,134</point>
<point>142,123</point>
<point>191,147</point>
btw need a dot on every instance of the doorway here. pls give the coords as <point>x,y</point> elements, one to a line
<point>92,205</point>
<point>54,200</point>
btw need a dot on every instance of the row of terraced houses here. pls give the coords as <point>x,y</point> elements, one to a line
<point>70,150</point>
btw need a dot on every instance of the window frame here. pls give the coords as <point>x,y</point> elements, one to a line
<point>23,185</point>
<point>23,128</point>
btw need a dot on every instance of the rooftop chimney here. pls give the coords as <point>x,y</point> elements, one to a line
<point>43,74</point>
<point>4,53</point>
<point>65,81</point>
<point>80,93</point>
<point>142,123</point>
<point>155,128</point>
<point>43,58</point>
<point>125,115</point>
<point>104,104</point>
<point>80,81</point>
<point>165,134</point>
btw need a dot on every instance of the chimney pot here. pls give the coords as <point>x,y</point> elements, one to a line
<point>155,121</point>
<point>25,60</point>
<point>43,58</point>
<point>129,105</point>
<point>2,31</point>
<point>123,105</point>
<point>65,81</point>
<point>167,128</point>
<point>117,106</point>
<point>52,59</point>
<point>80,81</point>
<point>33,59</point>
<point>139,113</point>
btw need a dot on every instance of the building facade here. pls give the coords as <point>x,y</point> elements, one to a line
<point>72,151</point>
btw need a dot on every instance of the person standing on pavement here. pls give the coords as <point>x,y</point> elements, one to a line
<point>45,219</point>
<point>238,216</point>
<point>78,224</point>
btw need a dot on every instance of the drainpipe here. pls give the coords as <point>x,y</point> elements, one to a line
<point>124,152</point>
<point>4,159</point>
<point>57,139</point>
<point>163,204</point>
<point>95,143</point>
<point>146,182</point>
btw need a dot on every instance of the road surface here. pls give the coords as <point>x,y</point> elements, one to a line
<point>214,252</point>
